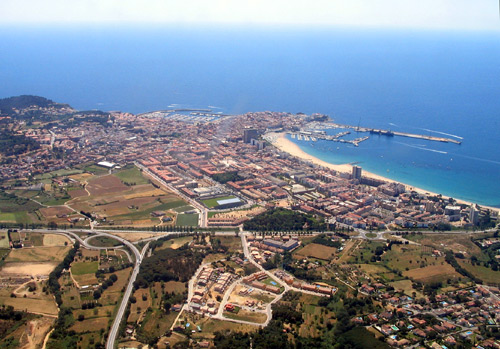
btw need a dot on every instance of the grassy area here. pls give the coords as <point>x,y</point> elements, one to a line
<point>187,220</point>
<point>103,241</point>
<point>246,315</point>
<point>211,203</point>
<point>406,287</point>
<point>4,239</point>
<point>95,169</point>
<point>486,274</point>
<point>81,268</point>
<point>145,212</point>
<point>131,175</point>
<point>59,173</point>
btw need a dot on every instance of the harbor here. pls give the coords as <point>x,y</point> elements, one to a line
<point>317,130</point>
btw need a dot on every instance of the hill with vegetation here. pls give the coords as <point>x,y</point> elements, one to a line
<point>12,106</point>
<point>280,219</point>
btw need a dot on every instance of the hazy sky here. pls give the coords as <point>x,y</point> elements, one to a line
<point>427,14</point>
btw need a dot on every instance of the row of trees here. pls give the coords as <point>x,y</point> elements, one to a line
<point>54,276</point>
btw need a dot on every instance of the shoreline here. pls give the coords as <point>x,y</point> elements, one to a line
<point>281,142</point>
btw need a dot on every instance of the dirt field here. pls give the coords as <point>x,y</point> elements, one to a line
<point>258,296</point>
<point>36,332</point>
<point>317,251</point>
<point>38,254</point>
<point>32,269</point>
<point>55,240</point>
<point>432,273</point>
<point>241,213</point>
<point>32,334</point>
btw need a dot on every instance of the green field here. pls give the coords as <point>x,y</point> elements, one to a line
<point>131,175</point>
<point>190,220</point>
<point>81,268</point>
<point>211,203</point>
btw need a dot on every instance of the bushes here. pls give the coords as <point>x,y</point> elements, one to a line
<point>450,258</point>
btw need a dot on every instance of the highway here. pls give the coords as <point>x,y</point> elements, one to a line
<point>128,291</point>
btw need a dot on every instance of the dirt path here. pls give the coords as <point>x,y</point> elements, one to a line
<point>47,339</point>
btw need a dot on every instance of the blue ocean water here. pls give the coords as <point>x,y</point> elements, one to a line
<point>419,82</point>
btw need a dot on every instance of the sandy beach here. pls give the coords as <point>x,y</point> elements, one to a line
<point>280,141</point>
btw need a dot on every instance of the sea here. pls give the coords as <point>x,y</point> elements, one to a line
<point>437,83</point>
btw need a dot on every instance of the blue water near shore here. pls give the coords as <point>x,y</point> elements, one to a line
<point>434,83</point>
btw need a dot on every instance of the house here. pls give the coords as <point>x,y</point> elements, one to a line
<point>420,333</point>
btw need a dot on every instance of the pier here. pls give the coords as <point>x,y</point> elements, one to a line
<point>404,134</point>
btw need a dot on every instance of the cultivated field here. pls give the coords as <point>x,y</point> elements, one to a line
<point>55,240</point>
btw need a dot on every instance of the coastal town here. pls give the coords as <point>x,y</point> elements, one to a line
<point>217,224</point>
<point>187,156</point>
